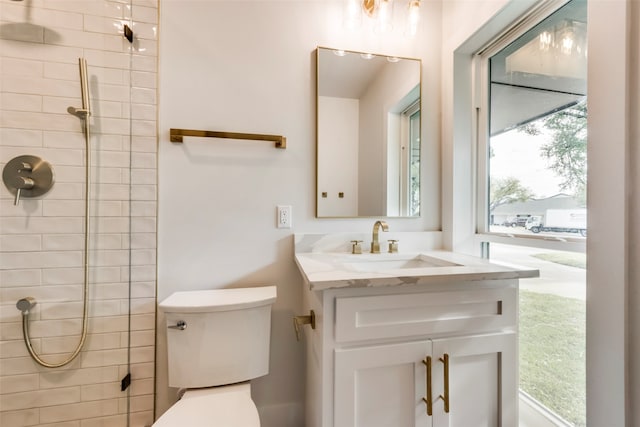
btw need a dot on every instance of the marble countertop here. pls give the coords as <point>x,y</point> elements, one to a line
<point>327,270</point>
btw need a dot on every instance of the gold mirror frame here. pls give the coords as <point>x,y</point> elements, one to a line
<point>380,181</point>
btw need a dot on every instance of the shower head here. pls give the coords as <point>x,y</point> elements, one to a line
<point>83,112</point>
<point>27,31</point>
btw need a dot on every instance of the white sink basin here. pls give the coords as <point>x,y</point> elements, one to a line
<point>372,264</point>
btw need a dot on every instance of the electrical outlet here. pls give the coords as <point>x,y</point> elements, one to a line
<point>283,217</point>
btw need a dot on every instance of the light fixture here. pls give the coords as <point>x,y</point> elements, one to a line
<point>559,50</point>
<point>381,15</point>
<point>568,38</point>
<point>413,17</point>
<point>545,39</point>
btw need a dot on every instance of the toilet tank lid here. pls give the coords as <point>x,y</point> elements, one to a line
<point>218,300</point>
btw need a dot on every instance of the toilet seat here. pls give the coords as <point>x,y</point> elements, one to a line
<point>226,406</point>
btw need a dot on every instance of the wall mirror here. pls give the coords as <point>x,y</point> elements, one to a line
<point>368,135</point>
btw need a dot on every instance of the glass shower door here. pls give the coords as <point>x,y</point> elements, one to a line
<point>42,239</point>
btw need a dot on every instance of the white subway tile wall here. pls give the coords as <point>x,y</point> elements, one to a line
<point>42,240</point>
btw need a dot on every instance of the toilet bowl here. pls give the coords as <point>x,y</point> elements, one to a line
<point>226,406</point>
<point>217,341</point>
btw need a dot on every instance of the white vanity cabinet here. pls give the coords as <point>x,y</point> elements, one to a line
<point>367,359</point>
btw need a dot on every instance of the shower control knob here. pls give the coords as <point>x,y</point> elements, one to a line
<point>23,184</point>
<point>27,176</point>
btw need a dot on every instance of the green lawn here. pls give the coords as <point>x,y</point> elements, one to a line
<point>552,353</point>
<point>572,259</point>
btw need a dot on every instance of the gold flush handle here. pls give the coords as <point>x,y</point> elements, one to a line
<point>298,321</point>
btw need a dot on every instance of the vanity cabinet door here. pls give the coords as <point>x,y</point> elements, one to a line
<point>482,381</point>
<point>381,386</point>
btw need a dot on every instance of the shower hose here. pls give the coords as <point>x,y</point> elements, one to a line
<point>26,304</point>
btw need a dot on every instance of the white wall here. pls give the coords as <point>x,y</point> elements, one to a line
<point>42,240</point>
<point>609,331</point>
<point>250,67</point>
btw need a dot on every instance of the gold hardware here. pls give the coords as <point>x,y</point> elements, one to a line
<point>375,244</point>
<point>341,195</point>
<point>445,398</point>
<point>304,320</point>
<point>393,246</point>
<point>27,176</point>
<point>369,6</point>
<point>176,135</point>
<point>429,399</point>
<point>355,247</point>
<point>324,194</point>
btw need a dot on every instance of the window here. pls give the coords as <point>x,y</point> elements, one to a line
<point>410,191</point>
<point>531,199</point>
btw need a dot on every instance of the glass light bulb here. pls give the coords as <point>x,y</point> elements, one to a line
<point>413,18</point>
<point>544,40</point>
<point>384,22</point>
<point>566,45</point>
<point>352,15</point>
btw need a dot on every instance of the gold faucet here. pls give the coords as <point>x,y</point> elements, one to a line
<point>375,244</point>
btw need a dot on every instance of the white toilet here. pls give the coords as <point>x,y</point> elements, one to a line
<point>217,340</point>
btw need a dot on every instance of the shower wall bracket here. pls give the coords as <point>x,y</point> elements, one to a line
<point>27,176</point>
<point>128,33</point>
<point>125,382</point>
<point>176,135</point>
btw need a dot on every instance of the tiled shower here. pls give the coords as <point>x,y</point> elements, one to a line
<point>42,239</point>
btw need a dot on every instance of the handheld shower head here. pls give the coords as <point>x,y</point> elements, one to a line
<point>85,111</point>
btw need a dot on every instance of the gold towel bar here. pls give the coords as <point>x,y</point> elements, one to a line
<point>175,135</point>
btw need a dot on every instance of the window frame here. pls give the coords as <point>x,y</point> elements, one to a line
<point>481,105</point>
<point>407,118</point>
<point>483,237</point>
<point>610,127</point>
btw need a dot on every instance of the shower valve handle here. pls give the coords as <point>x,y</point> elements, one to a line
<point>27,176</point>
<point>24,183</point>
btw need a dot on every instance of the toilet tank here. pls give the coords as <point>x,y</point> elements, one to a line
<point>225,339</point>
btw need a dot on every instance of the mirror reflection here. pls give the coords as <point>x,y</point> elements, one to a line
<point>368,135</point>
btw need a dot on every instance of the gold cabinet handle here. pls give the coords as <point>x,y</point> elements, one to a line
<point>445,398</point>
<point>429,399</point>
